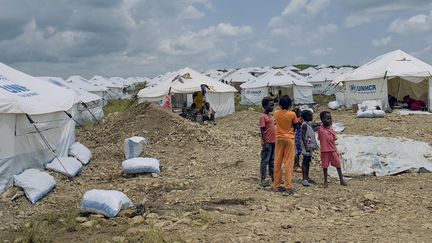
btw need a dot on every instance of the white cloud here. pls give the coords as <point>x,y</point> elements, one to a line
<point>316,6</point>
<point>322,51</point>
<point>265,48</point>
<point>382,42</point>
<point>417,23</point>
<point>247,60</point>
<point>356,20</point>
<point>294,7</point>
<point>228,29</point>
<point>190,12</point>
<point>328,28</point>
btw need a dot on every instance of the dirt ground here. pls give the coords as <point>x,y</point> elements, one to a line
<point>208,190</point>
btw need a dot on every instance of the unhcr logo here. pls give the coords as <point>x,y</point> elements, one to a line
<point>14,88</point>
<point>363,89</point>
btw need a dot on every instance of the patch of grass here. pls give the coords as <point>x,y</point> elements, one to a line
<point>117,106</point>
<point>152,235</point>
<point>35,233</point>
<point>70,222</point>
<point>323,99</point>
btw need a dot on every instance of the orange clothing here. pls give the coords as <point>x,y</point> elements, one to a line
<point>285,121</point>
<point>284,151</point>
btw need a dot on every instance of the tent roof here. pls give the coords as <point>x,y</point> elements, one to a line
<point>22,93</point>
<point>275,77</point>
<point>83,95</point>
<point>292,68</point>
<point>393,64</point>
<point>240,76</point>
<point>325,74</point>
<point>101,81</point>
<point>185,81</point>
<point>309,71</point>
<point>82,83</point>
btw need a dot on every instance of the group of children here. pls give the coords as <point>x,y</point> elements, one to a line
<point>289,134</point>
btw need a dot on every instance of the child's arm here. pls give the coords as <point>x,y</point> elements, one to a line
<point>303,129</point>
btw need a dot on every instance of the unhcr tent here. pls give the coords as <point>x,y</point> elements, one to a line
<point>395,73</point>
<point>77,82</point>
<point>183,83</point>
<point>274,81</point>
<point>115,89</point>
<point>322,80</point>
<point>32,119</point>
<point>89,110</point>
<point>238,77</point>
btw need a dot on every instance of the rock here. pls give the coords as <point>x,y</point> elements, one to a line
<point>354,214</point>
<point>127,213</point>
<point>80,219</point>
<point>427,226</point>
<point>134,231</point>
<point>96,216</point>
<point>119,239</point>
<point>163,223</point>
<point>1,214</point>
<point>186,221</point>
<point>371,196</point>
<point>28,225</point>
<point>89,224</point>
<point>152,216</point>
<point>137,220</point>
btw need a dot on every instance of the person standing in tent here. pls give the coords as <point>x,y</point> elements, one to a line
<point>268,138</point>
<point>329,153</point>
<point>285,146</point>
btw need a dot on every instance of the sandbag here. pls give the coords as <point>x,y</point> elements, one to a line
<point>334,105</point>
<point>338,127</point>
<point>133,146</point>
<point>36,184</point>
<point>81,152</point>
<point>370,114</point>
<point>69,166</point>
<point>141,165</point>
<point>105,202</point>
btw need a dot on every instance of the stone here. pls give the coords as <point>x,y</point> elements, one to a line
<point>286,226</point>
<point>163,223</point>
<point>152,216</point>
<point>119,239</point>
<point>186,221</point>
<point>28,225</point>
<point>137,220</point>
<point>127,213</point>
<point>96,216</point>
<point>80,219</point>
<point>89,224</point>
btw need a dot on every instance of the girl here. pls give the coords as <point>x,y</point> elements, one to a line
<point>308,144</point>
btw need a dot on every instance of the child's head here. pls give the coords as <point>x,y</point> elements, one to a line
<point>298,112</point>
<point>285,102</point>
<point>326,118</point>
<point>307,115</point>
<point>207,105</point>
<point>268,104</point>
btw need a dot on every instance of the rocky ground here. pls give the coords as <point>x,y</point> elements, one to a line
<point>208,190</point>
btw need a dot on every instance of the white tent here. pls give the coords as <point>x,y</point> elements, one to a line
<point>274,81</point>
<point>25,99</point>
<point>181,84</point>
<point>238,77</point>
<point>308,71</point>
<point>77,82</point>
<point>291,68</point>
<point>395,73</point>
<point>322,80</point>
<point>115,89</point>
<point>90,106</point>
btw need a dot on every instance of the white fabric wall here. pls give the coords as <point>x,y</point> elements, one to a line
<point>320,87</point>
<point>253,96</point>
<point>158,100</point>
<point>222,103</point>
<point>21,147</point>
<point>355,92</point>
<point>303,95</point>
<point>430,94</point>
<point>85,116</point>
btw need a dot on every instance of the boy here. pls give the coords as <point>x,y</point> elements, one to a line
<point>329,153</point>
<point>285,145</point>
<point>268,137</point>
<point>308,144</point>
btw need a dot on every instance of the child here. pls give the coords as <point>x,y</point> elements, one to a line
<point>285,146</point>
<point>268,138</point>
<point>329,154</point>
<point>298,141</point>
<point>308,144</point>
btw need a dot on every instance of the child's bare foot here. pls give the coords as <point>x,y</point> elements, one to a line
<point>343,183</point>
<point>325,185</point>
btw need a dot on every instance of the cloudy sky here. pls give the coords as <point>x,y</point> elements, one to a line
<point>149,37</point>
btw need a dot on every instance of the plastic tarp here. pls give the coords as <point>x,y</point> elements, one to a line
<point>381,156</point>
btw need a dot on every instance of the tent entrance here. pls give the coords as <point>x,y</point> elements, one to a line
<point>281,91</point>
<point>399,88</point>
<point>178,100</point>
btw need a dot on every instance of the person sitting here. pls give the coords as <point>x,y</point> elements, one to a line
<point>208,113</point>
<point>392,101</point>
<point>413,104</point>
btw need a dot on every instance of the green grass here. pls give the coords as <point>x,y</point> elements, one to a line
<point>323,99</point>
<point>117,106</point>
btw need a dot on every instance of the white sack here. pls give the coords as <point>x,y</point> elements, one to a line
<point>66,165</point>
<point>81,152</point>
<point>141,165</point>
<point>338,127</point>
<point>370,114</point>
<point>105,202</point>
<point>133,146</point>
<point>36,184</point>
<point>334,105</point>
